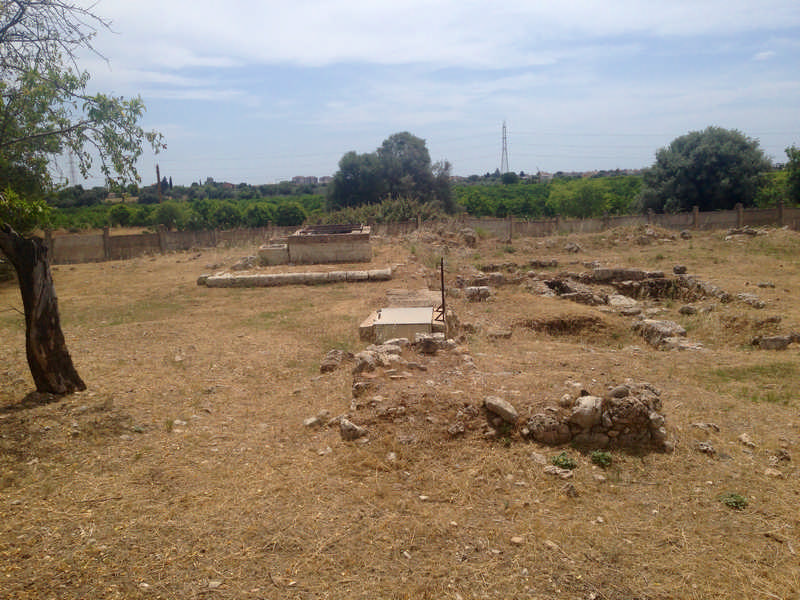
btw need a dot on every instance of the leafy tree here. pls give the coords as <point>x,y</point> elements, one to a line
<point>258,215</point>
<point>119,214</point>
<point>400,168</point>
<point>714,169</point>
<point>225,215</point>
<point>793,171</point>
<point>289,214</point>
<point>45,110</point>
<point>168,214</point>
<point>23,216</point>
<point>509,178</point>
<point>358,181</point>
<point>406,166</point>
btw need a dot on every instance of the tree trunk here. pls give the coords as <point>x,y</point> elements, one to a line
<point>46,349</point>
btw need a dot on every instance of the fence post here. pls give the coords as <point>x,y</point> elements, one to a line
<point>780,213</point>
<point>739,215</point>
<point>510,219</point>
<point>696,217</point>
<point>162,239</point>
<point>650,213</point>
<point>106,243</point>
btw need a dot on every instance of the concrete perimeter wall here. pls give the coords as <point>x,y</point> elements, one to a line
<point>92,247</point>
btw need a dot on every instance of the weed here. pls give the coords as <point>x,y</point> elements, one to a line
<point>564,461</point>
<point>168,425</point>
<point>601,458</point>
<point>509,249</point>
<point>734,501</point>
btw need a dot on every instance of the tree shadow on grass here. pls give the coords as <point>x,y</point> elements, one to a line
<point>29,401</point>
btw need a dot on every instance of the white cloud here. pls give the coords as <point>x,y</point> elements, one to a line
<point>766,55</point>
<point>183,33</point>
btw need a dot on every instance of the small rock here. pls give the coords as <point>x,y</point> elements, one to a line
<point>214,584</point>
<point>687,309</point>
<point>706,448</point>
<point>706,426</point>
<point>499,334</point>
<point>679,269</point>
<point>772,472</point>
<point>502,408</point>
<point>517,540</point>
<point>746,440</point>
<point>538,458</point>
<point>456,429</point>
<point>558,471</point>
<point>569,491</point>
<point>350,431</point>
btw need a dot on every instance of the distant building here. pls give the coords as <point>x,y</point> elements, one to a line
<point>304,180</point>
<point>325,179</point>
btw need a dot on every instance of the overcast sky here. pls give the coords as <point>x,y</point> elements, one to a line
<point>254,91</point>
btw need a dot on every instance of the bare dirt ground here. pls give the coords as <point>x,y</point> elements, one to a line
<point>185,470</point>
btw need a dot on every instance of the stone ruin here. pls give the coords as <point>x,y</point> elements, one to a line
<point>628,416</point>
<point>320,244</point>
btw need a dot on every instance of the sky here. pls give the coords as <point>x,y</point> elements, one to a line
<point>261,91</point>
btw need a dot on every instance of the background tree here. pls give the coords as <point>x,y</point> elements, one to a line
<point>714,169</point>
<point>358,181</point>
<point>45,110</point>
<point>400,168</point>
<point>793,174</point>
<point>289,214</point>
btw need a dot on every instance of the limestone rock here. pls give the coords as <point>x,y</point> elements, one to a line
<point>477,293</point>
<point>248,262</point>
<point>333,359</point>
<point>777,342</point>
<point>655,332</point>
<point>548,429</point>
<point>586,413</point>
<point>751,299</point>
<point>365,361</point>
<point>350,431</point>
<point>502,408</point>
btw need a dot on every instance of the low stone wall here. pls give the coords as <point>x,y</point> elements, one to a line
<point>275,279</point>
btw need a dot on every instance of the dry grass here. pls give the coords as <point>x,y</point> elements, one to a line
<point>185,472</point>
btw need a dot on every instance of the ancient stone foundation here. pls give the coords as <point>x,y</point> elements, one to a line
<point>628,416</point>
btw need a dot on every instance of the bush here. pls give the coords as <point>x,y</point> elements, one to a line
<point>119,214</point>
<point>23,215</point>
<point>289,214</point>
<point>258,215</point>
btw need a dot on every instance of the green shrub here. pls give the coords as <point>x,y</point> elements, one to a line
<point>734,501</point>
<point>601,458</point>
<point>564,461</point>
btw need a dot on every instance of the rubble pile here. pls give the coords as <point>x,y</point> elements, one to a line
<point>628,416</point>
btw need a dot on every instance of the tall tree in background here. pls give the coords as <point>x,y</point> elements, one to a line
<point>45,110</point>
<point>400,168</point>
<point>793,170</point>
<point>714,169</point>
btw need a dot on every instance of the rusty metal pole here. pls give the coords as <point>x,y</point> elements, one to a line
<point>444,307</point>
